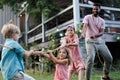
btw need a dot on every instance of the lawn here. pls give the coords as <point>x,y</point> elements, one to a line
<point>49,76</point>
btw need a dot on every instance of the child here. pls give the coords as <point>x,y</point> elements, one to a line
<point>71,41</point>
<point>62,61</point>
<point>12,66</point>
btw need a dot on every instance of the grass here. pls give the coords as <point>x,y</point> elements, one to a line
<point>49,76</point>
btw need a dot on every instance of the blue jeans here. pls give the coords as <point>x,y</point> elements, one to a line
<point>93,47</point>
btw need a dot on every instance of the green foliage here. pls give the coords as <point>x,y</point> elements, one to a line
<point>52,45</point>
<point>24,46</point>
<point>35,7</point>
<point>79,29</point>
<point>1,4</point>
<point>35,46</point>
<point>15,4</point>
<point>46,7</point>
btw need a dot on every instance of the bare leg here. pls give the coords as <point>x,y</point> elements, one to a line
<point>70,74</point>
<point>80,74</point>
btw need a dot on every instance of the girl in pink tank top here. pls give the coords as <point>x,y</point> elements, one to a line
<point>62,61</point>
<point>71,41</point>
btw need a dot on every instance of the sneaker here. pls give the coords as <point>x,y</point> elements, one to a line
<point>108,78</point>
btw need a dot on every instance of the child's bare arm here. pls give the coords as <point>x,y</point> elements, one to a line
<point>57,61</point>
<point>75,42</point>
<point>28,53</point>
<point>45,55</point>
<point>32,52</point>
<point>41,53</point>
<point>72,44</point>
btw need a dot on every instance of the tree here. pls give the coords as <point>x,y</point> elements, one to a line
<point>47,7</point>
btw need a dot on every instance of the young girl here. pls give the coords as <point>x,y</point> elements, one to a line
<point>62,61</point>
<point>71,41</point>
<point>12,66</point>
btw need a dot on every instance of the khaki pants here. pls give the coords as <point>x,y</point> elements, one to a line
<point>93,47</point>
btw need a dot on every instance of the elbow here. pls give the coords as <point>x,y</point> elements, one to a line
<point>26,55</point>
<point>55,61</point>
<point>77,44</point>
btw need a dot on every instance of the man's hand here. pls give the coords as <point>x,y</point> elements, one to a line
<point>82,36</point>
<point>39,53</point>
<point>92,37</point>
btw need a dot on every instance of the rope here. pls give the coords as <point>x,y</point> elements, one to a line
<point>6,46</point>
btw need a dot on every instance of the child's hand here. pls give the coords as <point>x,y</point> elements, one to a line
<point>31,52</point>
<point>39,53</point>
<point>68,44</point>
<point>49,51</point>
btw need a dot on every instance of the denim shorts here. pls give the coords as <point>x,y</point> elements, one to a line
<point>22,76</point>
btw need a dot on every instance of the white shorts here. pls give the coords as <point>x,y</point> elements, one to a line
<point>22,76</point>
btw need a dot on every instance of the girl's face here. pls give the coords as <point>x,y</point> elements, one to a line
<point>70,31</point>
<point>15,36</point>
<point>62,54</point>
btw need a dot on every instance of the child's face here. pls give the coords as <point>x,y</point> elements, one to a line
<point>15,36</point>
<point>70,31</point>
<point>62,54</point>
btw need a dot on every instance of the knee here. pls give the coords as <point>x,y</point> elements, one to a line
<point>110,60</point>
<point>90,60</point>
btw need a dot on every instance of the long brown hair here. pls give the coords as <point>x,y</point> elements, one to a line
<point>68,54</point>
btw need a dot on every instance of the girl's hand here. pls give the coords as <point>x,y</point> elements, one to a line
<point>49,51</point>
<point>39,53</point>
<point>68,44</point>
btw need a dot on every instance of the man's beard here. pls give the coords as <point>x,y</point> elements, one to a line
<point>96,14</point>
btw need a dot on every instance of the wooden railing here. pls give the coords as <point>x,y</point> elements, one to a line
<point>109,23</point>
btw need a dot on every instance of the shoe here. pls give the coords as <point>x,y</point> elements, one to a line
<point>108,78</point>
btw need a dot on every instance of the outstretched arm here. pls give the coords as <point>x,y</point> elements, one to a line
<point>56,60</point>
<point>28,53</point>
<point>41,53</point>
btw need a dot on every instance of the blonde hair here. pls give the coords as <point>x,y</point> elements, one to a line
<point>9,29</point>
